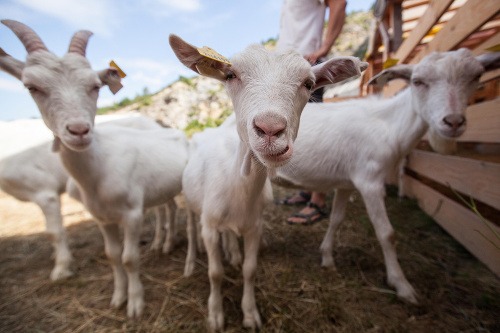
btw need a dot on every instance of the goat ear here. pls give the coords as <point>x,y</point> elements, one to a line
<point>397,72</point>
<point>489,61</point>
<point>11,65</point>
<point>191,58</point>
<point>111,78</point>
<point>337,69</point>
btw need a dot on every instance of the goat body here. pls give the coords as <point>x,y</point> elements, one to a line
<point>36,174</point>
<point>356,144</point>
<point>121,174</point>
<point>119,171</point>
<point>225,181</point>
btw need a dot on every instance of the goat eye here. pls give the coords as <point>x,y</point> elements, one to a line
<point>32,89</point>
<point>418,83</point>
<point>309,84</point>
<point>230,75</point>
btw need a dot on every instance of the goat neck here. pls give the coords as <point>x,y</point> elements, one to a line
<point>404,121</point>
<point>80,164</point>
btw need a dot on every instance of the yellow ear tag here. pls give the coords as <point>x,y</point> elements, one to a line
<point>494,48</point>
<point>120,72</point>
<point>212,54</point>
<point>389,63</point>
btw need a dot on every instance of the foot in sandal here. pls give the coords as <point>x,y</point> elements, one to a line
<point>310,214</point>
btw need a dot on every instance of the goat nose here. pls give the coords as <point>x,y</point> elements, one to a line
<point>454,120</point>
<point>78,129</point>
<point>273,127</point>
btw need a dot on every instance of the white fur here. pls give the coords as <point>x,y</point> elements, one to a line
<point>35,174</point>
<point>355,144</point>
<point>119,172</point>
<point>225,181</point>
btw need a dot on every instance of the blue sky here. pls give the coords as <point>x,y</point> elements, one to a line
<point>135,35</point>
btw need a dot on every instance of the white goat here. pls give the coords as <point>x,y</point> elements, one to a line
<point>355,144</point>
<point>37,175</point>
<point>226,176</point>
<point>119,171</point>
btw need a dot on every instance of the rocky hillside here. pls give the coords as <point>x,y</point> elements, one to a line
<point>198,102</point>
<point>189,104</point>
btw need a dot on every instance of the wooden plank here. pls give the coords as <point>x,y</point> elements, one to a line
<point>432,14</point>
<point>460,222</point>
<point>478,179</point>
<point>460,26</point>
<point>413,14</point>
<point>397,27</point>
<point>490,75</point>
<point>483,122</point>
<point>413,3</point>
<point>392,87</point>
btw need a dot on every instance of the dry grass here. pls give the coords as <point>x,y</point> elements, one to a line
<point>457,293</point>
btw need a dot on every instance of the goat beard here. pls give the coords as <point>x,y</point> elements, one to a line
<point>246,166</point>
<point>56,144</point>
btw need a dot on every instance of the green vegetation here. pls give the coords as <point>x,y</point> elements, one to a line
<point>189,81</point>
<point>146,99</point>
<point>196,126</point>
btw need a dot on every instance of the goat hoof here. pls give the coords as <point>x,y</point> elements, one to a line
<point>328,262</point>
<point>135,308</point>
<point>60,274</point>
<point>118,300</point>
<point>409,296</point>
<point>252,321</point>
<point>215,322</point>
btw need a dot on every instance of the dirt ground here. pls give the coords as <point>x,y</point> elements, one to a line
<point>294,294</point>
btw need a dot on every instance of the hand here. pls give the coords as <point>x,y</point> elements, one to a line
<point>313,57</point>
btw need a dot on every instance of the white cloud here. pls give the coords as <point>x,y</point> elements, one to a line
<point>97,15</point>
<point>11,85</point>
<point>169,8</point>
<point>11,10</point>
<point>180,5</point>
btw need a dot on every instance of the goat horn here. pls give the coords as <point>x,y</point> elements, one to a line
<point>79,42</point>
<point>26,35</point>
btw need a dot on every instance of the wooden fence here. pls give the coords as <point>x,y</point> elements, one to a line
<point>408,30</point>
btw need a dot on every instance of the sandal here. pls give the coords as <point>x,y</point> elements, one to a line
<point>317,214</point>
<point>296,199</point>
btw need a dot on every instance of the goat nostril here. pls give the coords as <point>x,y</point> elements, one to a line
<point>78,129</point>
<point>271,129</point>
<point>260,132</point>
<point>454,121</point>
<point>279,133</point>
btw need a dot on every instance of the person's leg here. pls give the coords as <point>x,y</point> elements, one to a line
<point>299,198</point>
<point>313,212</point>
